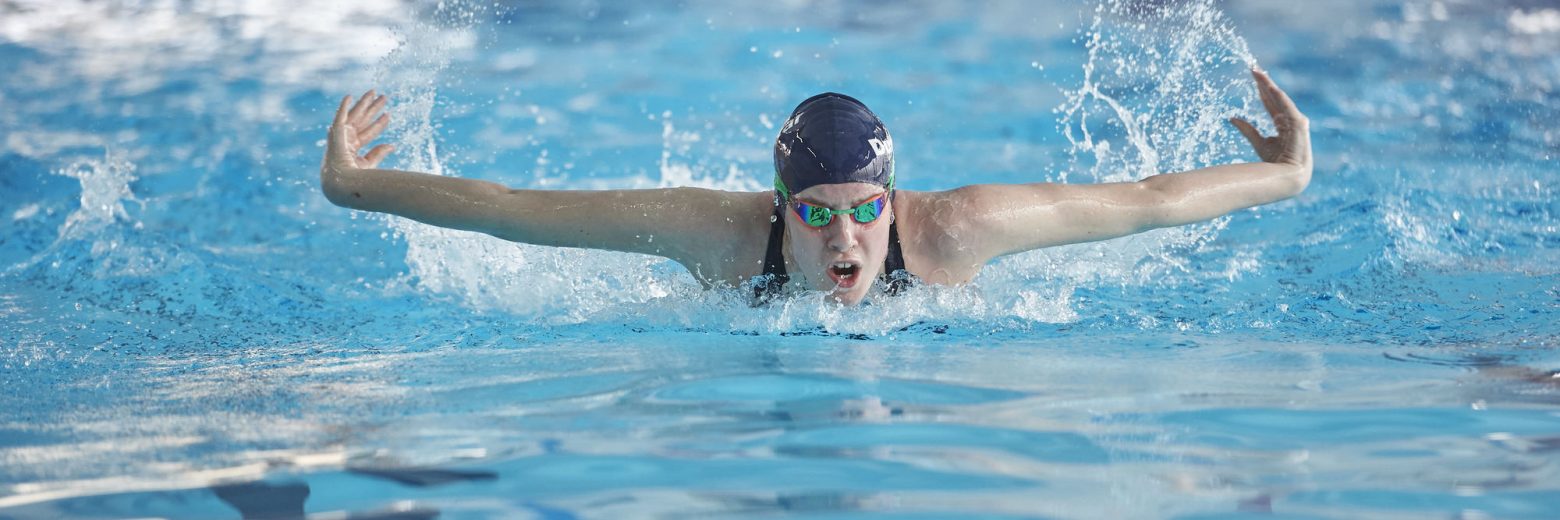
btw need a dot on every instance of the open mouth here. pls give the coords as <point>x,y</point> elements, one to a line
<point>844,274</point>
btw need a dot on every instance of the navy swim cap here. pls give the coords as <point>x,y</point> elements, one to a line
<point>832,139</point>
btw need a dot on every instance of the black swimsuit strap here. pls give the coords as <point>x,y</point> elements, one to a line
<point>774,277</point>
<point>894,272</point>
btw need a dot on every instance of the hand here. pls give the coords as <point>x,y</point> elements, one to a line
<point>1292,145</point>
<point>351,130</point>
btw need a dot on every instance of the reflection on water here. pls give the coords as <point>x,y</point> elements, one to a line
<point>752,425</point>
<point>187,329</point>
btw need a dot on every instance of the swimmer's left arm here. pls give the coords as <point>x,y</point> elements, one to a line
<point>1009,219</point>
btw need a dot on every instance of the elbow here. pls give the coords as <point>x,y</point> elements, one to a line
<point>1157,205</point>
<point>1297,180</point>
<point>334,192</point>
<point>338,190</point>
<point>331,189</point>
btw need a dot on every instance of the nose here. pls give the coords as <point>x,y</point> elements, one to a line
<point>840,235</point>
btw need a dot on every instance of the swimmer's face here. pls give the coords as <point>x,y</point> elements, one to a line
<point>844,257</point>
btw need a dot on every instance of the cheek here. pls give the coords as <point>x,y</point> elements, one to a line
<point>876,238</point>
<point>806,245</point>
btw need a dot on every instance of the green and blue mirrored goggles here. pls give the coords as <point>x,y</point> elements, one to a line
<point>819,216</point>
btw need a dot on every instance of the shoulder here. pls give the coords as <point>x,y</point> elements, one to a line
<point>948,236</point>
<point>976,201</point>
<point>725,235</point>
<point>932,228</point>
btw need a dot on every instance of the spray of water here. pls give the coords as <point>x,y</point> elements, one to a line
<point>1157,89</point>
<point>477,270</point>
<point>98,220</point>
<point>105,187</point>
<point>1158,85</point>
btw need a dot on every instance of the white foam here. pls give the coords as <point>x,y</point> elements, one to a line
<point>25,212</point>
<point>1200,80</point>
<point>109,41</point>
<point>1539,21</point>
<point>39,144</point>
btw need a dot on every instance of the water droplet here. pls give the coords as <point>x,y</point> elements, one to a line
<point>772,219</point>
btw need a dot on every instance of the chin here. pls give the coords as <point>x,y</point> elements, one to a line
<point>849,293</point>
<point>850,297</point>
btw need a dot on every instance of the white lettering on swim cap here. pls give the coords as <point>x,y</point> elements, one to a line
<point>884,146</point>
<point>789,123</point>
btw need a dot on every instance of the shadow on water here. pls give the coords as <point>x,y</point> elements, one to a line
<point>260,500</point>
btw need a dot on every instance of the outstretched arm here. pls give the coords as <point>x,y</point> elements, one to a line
<point>678,223</point>
<point>1010,219</point>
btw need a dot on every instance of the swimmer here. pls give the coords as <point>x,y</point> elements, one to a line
<point>835,221</point>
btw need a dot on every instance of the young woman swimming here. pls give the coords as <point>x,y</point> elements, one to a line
<point>834,222</point>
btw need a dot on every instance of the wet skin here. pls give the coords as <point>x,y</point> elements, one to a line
<point>947,237</point>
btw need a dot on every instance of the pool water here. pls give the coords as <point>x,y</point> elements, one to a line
<point>188,329</point>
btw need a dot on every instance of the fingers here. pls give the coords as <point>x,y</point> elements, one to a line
<point>1251,133</point>
<point>1265,88</point>
<point>373,107</point>
<point>378,154</point>
<point>341,113</point>
<point>372,132</point>
<point>336,135</point>
<point>351,130</point>
<point>1278,104</point>
<point>336,138</point>
<point>377,106</point>
<point>361,107</point>
<point>338,149</point>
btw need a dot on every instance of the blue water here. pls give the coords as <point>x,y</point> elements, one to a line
<point>188,329</point>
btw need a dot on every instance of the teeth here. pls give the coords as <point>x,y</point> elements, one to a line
<point>847,267</point>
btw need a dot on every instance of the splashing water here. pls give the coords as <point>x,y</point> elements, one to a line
<point>181,308</point>
<point>1158,86</point>
<point>1153,100</point>
<point>105,188</point>
<point>1157,91</point>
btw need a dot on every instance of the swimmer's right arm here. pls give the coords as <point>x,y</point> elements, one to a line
<point>685,224</point>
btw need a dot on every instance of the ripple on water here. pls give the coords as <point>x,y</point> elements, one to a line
<point>768,388</point>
